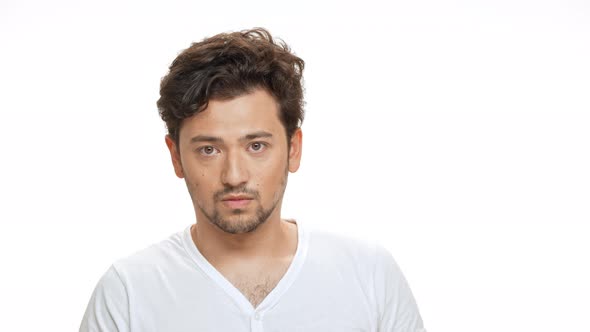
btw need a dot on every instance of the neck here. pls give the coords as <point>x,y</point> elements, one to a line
<point>272,239</point>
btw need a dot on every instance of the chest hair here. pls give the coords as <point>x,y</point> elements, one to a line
<point>256,291</point>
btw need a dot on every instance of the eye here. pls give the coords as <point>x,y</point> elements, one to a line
<point>207,150</point>
<point>257,146</point>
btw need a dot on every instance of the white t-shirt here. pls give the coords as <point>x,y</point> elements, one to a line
<point>334,283</point>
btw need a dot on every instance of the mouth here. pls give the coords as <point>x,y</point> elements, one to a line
<point>236,202</point>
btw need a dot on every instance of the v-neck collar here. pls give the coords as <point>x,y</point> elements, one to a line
<point>240,299</point>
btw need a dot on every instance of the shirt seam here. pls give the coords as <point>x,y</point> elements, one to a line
<point>117,273</point>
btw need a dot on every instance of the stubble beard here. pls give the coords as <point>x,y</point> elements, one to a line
<point>239,223</point>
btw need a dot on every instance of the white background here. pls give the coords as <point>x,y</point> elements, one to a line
<point>454,132</point>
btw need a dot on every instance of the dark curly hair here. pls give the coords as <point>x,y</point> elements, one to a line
<point>229,65</point>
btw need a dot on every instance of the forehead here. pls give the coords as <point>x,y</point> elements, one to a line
<point>234,118</point>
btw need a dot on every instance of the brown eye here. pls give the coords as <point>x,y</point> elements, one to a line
<point>257,146</point>
<point>207,150</point>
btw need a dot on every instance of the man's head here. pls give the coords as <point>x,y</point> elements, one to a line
<point>229,65</point>
<point>233,105</point>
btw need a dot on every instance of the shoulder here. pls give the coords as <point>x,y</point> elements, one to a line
<point>158,256</point>
<point>344,249</point>
<point>330,247</point>
<point>341,241</point>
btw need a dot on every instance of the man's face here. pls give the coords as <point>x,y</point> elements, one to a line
<point>235,160</point>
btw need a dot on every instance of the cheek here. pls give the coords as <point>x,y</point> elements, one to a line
<point>272,178</point>
<point>196,180</point>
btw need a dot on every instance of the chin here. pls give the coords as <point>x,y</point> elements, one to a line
<point>237,221</point>
<point>238,228</point>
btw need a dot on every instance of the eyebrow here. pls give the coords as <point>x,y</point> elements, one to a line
<point>215,139</point>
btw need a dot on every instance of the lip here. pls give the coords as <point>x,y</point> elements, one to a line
<point>236,203</point>
<point>236,198</point>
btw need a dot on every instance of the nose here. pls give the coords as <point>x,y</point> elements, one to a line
<point>234,173</point>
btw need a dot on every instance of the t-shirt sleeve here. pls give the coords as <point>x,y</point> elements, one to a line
<point>398,311</point>
<point>108,309</point>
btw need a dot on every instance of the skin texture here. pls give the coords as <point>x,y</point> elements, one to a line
<point>249,243</point>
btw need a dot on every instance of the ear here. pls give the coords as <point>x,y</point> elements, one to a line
<point>175,156</point>
<point>295,150</point>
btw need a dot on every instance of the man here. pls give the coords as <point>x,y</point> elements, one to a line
<point>233,106</point>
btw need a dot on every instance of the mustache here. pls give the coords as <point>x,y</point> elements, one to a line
<point>235,191</point>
